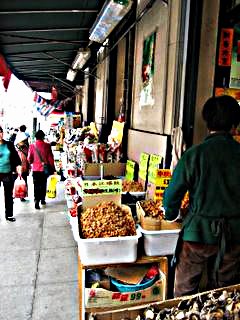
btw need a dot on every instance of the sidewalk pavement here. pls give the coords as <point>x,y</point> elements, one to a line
<point>38,261</point>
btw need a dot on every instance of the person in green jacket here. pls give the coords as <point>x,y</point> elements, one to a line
<point>210,172</point>
<point>9,163</point>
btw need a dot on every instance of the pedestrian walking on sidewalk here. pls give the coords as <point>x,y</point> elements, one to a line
<point>22,146</point>
<point>10,162</point>
<point>210,172</point>
<point>40,153</point>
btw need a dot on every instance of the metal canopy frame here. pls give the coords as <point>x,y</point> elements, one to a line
<point>40,39</point>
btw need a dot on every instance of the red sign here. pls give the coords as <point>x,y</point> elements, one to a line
<point>225,47</point>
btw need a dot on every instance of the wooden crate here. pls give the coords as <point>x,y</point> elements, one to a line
<point>132,312</point>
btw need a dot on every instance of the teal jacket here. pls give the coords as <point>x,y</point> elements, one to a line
<point>210,172</point>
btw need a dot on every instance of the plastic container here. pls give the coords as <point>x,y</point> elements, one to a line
<point>159,243</point>
<point>96,251</point>
<point>133,287</point>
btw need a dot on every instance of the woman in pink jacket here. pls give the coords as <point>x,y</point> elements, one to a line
<point>40,153</point>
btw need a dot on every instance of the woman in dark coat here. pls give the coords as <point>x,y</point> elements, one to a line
<point>9,163</point>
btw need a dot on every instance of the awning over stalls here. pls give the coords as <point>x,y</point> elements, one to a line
<point>40,39</point>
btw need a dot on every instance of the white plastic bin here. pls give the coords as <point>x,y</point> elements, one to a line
<point>96,251</point>
<point>159,243</point>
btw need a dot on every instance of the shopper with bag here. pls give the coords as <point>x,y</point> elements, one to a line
<point>40,156</point>
<point>22,146</point>
<point>9,163</point>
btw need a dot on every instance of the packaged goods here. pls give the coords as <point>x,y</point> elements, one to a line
<point>102,154</point>
<point>52,186</point>
<point>94,149</point>
<point>69,187</point>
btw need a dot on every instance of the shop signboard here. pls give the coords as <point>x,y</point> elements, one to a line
<point>225,47</point>
<point>100,187</point>
<point>163,176</point>
<point>95,191</point>
<point>143,166</point>
<point>235,60</point>
<point>156,190</point>
<point>154,164</point>
<point>130,170</point>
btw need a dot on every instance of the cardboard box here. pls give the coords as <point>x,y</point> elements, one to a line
<point>153,224</point>
<point>99,297</point>
<point>133,312</point>
<point>109,169</point>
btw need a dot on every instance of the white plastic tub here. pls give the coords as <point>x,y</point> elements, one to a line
<point>96,251</point>
<point>159,243</point>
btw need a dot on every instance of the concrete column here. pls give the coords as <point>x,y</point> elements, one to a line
<point>207,58</point>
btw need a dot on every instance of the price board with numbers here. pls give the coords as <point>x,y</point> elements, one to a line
<point>154,164</point>
<point>156,190</point>
<point>130,170</point>
<point>143,166</point>
<point>101,187</point>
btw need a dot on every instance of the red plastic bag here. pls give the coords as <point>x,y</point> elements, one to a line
<point>19,188</point>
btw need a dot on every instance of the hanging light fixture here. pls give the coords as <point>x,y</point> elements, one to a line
<point>71,74</point>
<point>81,58</point>
<point>111,14</point>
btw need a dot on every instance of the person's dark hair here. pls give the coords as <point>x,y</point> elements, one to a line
<point>221,113</point>
<point>1,129</point>
<point>23,128</point>
<point>39,135</point>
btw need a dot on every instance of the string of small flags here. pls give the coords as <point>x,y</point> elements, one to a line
<point>45,106</point>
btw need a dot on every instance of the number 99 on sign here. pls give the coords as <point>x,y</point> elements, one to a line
<point>136,296</point>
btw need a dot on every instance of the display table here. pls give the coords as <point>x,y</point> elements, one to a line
<point>84,311</point>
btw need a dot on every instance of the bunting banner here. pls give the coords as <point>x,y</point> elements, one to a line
<point>5,72</point>
<point>46,107</point>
